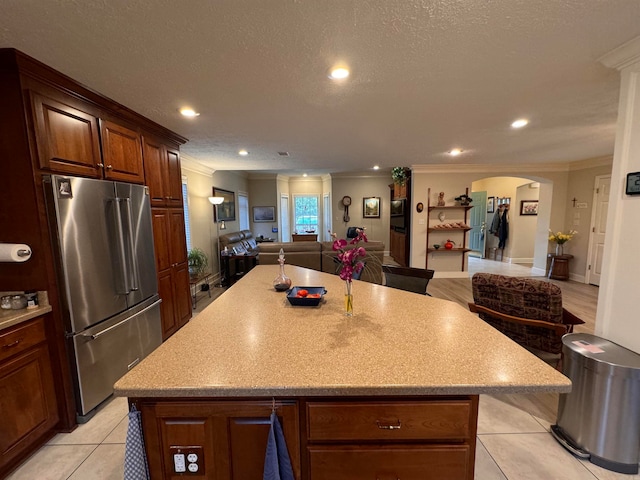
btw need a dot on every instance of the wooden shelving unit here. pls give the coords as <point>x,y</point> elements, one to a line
<point>458,250</point>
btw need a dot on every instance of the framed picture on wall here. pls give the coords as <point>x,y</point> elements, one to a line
<point>491,207</point>
<point>529,207</point>
<point>226,211</point>
<point>264,214</point>
<point>371,207</point>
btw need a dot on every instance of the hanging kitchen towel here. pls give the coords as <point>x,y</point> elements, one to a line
<point>135,458</point>
<point>277,465</point>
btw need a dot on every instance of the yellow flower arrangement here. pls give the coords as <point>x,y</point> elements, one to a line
<point>561,238</point>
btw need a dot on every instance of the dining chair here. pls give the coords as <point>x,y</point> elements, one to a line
<point>407,278</point>
<point>527,310</point>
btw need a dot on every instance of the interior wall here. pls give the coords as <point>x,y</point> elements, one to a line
<point>581,187</point>
<point>359,188</point>
<point>201,223</point>
<point>263,193</point>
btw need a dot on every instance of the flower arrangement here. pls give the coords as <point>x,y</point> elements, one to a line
<point>561,238</point>
<point>464,199</point>
<point>350,258</point>
<point>399,175</point>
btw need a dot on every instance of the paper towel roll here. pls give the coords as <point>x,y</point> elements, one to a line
<point>14,252</point>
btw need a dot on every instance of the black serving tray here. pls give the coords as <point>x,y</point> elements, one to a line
<point>305,301</point>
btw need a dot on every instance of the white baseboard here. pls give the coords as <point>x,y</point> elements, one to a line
<point>521,260</point>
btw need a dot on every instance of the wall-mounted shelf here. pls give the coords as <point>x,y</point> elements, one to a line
<point>462,250</point>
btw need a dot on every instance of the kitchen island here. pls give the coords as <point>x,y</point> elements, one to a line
<point>391,392</point>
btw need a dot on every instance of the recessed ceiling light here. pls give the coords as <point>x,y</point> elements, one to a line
<point>520,123</point>
<point>304,174</point>
<point>376,167</point>
<point>243,152</point>
<point>189,112</point>
<point>339,73</point>
<point>455,152</point>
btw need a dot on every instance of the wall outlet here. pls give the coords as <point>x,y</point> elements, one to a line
<point>188,460</point>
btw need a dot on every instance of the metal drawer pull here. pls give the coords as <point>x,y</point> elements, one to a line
<point>386,426</point>
<point>12,344</point>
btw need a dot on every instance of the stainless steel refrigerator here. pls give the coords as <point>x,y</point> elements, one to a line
<point>105,261</point>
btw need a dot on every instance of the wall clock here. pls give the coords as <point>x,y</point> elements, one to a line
<point>346,201</point>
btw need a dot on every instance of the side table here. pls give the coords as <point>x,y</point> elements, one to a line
<point>194,280</point>
<point>559,269</point>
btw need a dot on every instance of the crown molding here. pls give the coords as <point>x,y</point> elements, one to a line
<point>624,56</point>
<point>192,165</point>
<point>493,169</point>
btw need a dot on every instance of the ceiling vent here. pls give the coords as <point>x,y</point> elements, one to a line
<point>283,154</point>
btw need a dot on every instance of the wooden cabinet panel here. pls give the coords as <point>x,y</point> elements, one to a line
<point>161,238</point>
<point>410,462</point>
<point>67,139</point>
<point>181,293</point>
<point>232,436</point>
<point>162,173</point>
<point>393,421</point>
<point>174,180</point>
<point>122,153</point>
<point>178,247</point>
<point>27,393</point>
<point>21,338</point>
<point>167,307</point>
<point>398,243</point>
<point>173,269</point>
<point>154,166</point>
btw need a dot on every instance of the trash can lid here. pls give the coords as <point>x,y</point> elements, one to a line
<point>601,350</point>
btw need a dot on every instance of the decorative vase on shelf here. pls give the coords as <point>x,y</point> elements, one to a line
<point>559,249</point>
<point>281,282</point>
<point>348,298</point>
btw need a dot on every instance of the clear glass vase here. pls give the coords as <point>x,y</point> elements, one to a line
<point>348,298</point>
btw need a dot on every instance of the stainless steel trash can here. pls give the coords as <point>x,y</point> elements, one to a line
<point>600,418</point>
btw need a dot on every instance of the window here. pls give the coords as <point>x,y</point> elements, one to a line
<point>243,210</point>
<point>185,204</point>
<point>305,213</point>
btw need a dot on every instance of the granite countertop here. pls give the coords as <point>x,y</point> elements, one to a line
<point>9,318</point>
<point>251,342</point>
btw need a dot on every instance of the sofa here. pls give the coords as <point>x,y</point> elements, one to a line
<point>314,255</point>
<point>320,256</point>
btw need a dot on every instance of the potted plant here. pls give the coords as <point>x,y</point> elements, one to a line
<point>399,175</point>
<point>197,261</point>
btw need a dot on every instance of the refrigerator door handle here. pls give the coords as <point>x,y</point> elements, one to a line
<point>132,259</point>
<point>112,327</point>
<point>121,248</point>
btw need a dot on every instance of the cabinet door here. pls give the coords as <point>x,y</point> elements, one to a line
<point>181,293</point>
<point>167,307</point>
<point>178,236</point>
<point>28,402</point>
<point>174,178</point>
<point>155,170</point>
<point>67,139</point>
<point>122,153</point>
<point>161,238</point>
<point>230,438</point>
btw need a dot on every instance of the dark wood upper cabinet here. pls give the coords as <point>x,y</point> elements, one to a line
<point>67,139</point>
<point>122,153</point>
<point>162,173</point>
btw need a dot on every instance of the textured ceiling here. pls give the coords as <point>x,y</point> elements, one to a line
<point>427,76</point>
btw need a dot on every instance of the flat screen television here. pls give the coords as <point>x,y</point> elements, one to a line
<point>397,208</point>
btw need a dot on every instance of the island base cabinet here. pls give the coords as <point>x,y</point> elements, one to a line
<point>389,462</point>
<point>228,438</point>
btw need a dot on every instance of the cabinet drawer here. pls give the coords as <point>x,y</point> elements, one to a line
<point>19,339</point>
<point>433,420</point>
<point>414,462</point>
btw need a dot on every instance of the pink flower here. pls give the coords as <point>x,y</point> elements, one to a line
<point>350,258</point>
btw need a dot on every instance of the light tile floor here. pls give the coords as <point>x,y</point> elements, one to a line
<point>514,442</point>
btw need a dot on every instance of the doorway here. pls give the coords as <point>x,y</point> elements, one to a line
<point>598,228</point>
